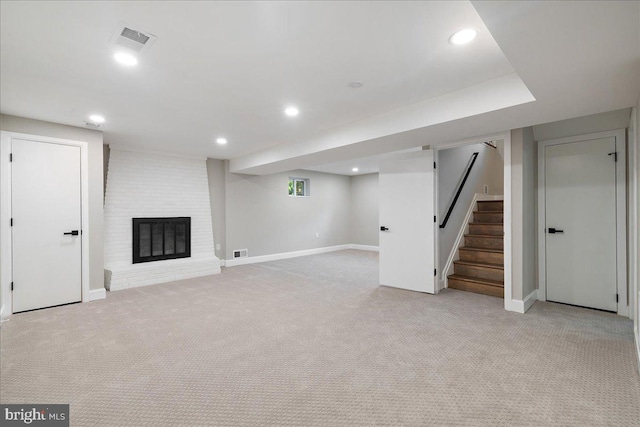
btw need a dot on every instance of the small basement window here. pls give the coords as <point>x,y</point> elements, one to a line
<point>299,187</point>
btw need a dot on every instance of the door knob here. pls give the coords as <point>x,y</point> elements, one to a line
<point>71,233</point>
<point>383,228</point>
<point>554,230</point>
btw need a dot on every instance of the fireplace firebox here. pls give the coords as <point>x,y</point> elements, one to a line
<point>156,239</point>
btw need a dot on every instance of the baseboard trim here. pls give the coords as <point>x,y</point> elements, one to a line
<point>283,255</point>
<point>365,248</point>
<point>295,254</point>
<point>530,300</point>
<point>521,306</point>
<point>96,294</point>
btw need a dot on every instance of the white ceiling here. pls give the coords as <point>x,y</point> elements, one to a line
<point>229,68</point>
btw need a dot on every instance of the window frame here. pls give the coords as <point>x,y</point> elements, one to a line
<point>306,182</point>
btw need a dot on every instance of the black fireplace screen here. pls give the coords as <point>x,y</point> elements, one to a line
<point>156,239</point>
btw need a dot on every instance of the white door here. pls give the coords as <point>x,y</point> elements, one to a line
<point>580,223</point>
<point>46,214</point>
<point>407,229</point>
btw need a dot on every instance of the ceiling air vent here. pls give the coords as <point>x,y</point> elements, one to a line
<point>133,39</point>
<point>91,125</point>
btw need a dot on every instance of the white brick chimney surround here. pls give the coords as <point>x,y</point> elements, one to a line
<point>141,185</point>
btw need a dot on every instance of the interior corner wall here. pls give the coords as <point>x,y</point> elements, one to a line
<point>262,218</point>
<point>95,184</point>
<point>216,176</point>
<point>529,212</point>
<point>364,222</point>
<point>452,163</point>
<point>105,167</point>
<point>517,208</point>
<point>634,213</point>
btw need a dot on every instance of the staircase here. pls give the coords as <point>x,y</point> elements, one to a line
<point>480,268</point>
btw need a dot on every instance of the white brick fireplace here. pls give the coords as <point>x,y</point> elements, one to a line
<point>143,185</point>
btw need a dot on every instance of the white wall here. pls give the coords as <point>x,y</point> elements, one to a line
<point>143,185</point>
<point>365,225</point>
<point>634,220</point>
<point>95,155</point>
<point>217,185</point>
<point>452,164</point>
<point>263,218</point>
<point>524,214</point>
<point>612,120</point>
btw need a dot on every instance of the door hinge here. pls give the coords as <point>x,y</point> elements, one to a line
<point>615,156</point>
<point>11,222</point>
<point>617,298</point>
<point>11,157</point>
<point>12,286</point>
<point>435,272</point>
<point>434,165</point>
<point>434,219</point>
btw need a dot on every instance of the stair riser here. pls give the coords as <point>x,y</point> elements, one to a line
<point>478,288</point>
<point>491,230</point>
<point>493,217</point>
<point>480,272</point>
<point>479,256</point>
<point>484,242</point>
<point>490,206</point>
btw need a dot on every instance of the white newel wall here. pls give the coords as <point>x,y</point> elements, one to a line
<point>150,185</point>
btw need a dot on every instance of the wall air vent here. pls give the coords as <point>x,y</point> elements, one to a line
<point>91,125</point>
<point>241,253</point>
<point>130,38</point>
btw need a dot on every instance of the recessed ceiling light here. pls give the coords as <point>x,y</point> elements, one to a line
<point>125,59</point>
<point>355,85</point>
<point>97,118</point>
<point>221,141</point>
<point>355,170</point>
<point>291,111</point>
<point>463,36</point>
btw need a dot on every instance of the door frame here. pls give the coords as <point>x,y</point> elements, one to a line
<point>6,246</point>
<point>621,211</point>
<point>510,304</point>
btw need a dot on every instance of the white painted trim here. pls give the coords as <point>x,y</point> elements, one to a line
<point>295,254</point>
<point>365,247</point>
<point>530,299</point>
<point>621,212</point>
<point>5,213</point>
<point>96,294</point>
<point>464,229</point>
<point>5,229</point>
<point>521,306</point>
<point>283,255</point>
<point>438,285</point>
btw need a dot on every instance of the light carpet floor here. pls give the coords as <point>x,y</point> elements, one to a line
<point>315,341</point>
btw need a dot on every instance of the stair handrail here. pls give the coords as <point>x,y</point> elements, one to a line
<point>470,164</point>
